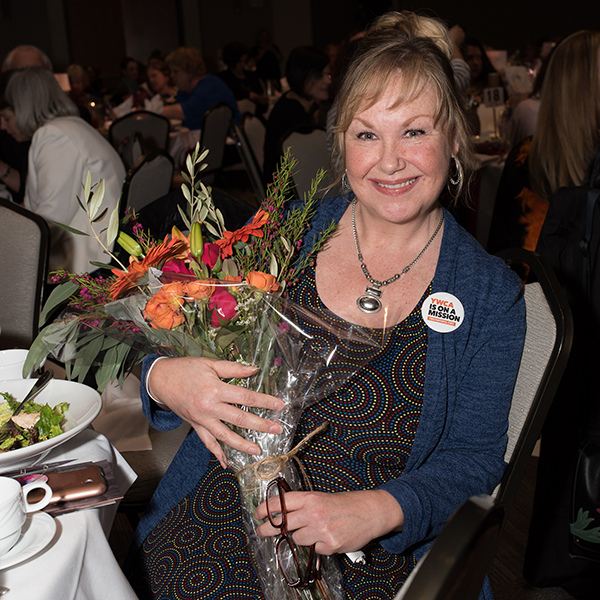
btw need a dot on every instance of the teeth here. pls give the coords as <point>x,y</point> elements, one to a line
<point>397,185</point>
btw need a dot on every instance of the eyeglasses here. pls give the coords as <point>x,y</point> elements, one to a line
<point>288,553</point>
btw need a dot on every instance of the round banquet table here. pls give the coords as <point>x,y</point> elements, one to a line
<point>78,564</point>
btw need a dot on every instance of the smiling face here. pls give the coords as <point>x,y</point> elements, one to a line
<point>397,159</point>
<point>8,122</point>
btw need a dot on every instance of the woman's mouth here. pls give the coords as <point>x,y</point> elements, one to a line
<point>397,186</point>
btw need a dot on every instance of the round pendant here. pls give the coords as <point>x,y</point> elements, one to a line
<point>369,304</point>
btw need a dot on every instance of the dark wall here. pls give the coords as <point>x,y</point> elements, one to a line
<point>503,24</point>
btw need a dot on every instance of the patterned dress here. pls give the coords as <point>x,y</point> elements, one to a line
<point>199,550</point>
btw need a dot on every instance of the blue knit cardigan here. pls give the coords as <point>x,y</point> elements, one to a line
<point>469,378</point>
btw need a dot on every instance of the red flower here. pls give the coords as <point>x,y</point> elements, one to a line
<point>176,266</point>
<point>224,305</point>
<point>210,256</point>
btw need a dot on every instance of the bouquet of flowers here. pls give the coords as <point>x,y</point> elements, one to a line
<point>217,294</point>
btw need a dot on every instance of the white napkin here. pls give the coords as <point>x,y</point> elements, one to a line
<point>121,419</point>
<point>124,108</point>
<point>154,104</point>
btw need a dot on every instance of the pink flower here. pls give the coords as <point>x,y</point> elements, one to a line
<point>224,305</point>
<point>176,265</point>
<point>210,256</point>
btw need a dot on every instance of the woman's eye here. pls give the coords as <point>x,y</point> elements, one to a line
<point>366,135</point>
<point>411,133</point>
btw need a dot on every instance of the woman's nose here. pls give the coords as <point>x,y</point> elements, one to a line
<point>391,159</point>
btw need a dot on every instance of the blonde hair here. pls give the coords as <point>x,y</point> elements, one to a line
<point>417,48</point>
<point>569,118</point>
<point>189,60</point>
<point>75,71</point>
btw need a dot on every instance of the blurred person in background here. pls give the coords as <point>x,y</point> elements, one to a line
<point>63,149</point>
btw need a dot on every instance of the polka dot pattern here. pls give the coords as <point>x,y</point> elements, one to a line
<point>200,549</point>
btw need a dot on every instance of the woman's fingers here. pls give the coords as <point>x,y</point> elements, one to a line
<point>194,390</point>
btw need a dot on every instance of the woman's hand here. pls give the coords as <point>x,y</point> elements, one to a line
<point>192,389</point>
<point>336,523</point>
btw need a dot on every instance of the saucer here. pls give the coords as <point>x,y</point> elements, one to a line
<point>37,533</point>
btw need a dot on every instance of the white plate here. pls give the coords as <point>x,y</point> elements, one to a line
<point>84,405</point>
<point>37,533</point>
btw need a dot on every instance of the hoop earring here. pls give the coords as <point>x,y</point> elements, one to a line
<point>459,173</point>
<point>345,184</point>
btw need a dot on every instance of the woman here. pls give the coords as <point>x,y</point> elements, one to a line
<point>198,90</point>
<point>159,80</point>
<point>308,75</point>
<point>91,108</point>
<point>419,429</point>
<point>560,151</point>
<point>64,148</point>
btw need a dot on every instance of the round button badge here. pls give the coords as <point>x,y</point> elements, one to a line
<point>443,312</point>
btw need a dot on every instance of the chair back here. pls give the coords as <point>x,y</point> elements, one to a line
<point>138,133</point>
<point>215,129</point>
<point>546,351</point>
<point>460,557</point>
<point>311,152</point>
<point>246,106</point>
<point>249,160</point>
<point>24,248</point>
<point>149,179</point>
<point>255,131</point>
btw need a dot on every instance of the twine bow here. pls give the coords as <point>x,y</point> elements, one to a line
<point>268,467</point>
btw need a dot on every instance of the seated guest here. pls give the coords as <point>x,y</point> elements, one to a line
<point>129,84</point>
<point>561,149</point>
<point>243,83</point>
<point>91,108</point>
<point>308,75</point>
<point>417,430</point>
<point>159,80</point>
<point>13,153</point>
<point>63,149</point>
<point>198,90</point>
<point>26,56</point>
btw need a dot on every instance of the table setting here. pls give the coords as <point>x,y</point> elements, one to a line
<point>56,545</point>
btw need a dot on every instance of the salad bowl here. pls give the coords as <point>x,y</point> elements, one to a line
<point>84,405</point>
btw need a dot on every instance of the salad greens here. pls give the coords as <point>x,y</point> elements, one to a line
<point>45,422</point>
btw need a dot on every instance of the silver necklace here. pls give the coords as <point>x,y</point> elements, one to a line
<point>370,301</point>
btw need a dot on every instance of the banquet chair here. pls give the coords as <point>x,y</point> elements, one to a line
<point>138,133</point>
<point>24,248</point>
<point>455,566</point>
<point>215,129</point>
<point>249,160</point>
<point>255,132</point>
<point>309,148</point>
<point>148,179</point>
<point>246,106</point>
<point>546,351</point>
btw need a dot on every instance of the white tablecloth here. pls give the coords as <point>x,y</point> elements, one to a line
<point>79,563</point>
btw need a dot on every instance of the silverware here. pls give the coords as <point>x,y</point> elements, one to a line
<point>9,427</point>
<point>35,469</point>
<point>3,590</point>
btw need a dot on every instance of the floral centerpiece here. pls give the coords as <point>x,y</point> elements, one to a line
<point>218,294</point>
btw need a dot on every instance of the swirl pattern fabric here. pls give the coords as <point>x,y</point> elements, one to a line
<point>199,550</point>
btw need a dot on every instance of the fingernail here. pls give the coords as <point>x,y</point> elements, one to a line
<point>275,429</point>
<point>254,450</point>
<point>279,405</point>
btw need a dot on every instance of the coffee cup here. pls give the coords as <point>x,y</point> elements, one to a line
<point>11,364</point>
<point>14,508</point>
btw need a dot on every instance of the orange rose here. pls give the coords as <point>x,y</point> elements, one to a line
<point>163,310</point>
<point>263,281</point>
<point>198,290</point>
